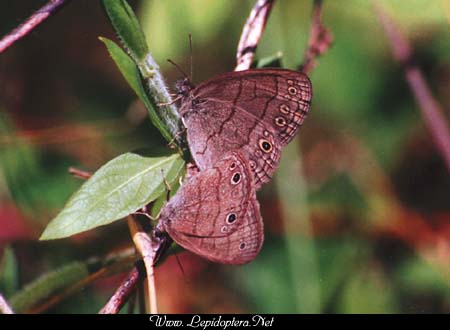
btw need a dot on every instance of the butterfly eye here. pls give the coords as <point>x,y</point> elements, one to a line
<point>236,178</point>
<point>231,218</point>
<point>265,145</point>
<point>242,246</point>
<point>232,166</point>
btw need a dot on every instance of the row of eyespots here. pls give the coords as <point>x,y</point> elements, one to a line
<point>235,179</point>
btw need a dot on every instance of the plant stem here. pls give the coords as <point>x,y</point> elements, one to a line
<point>28,25</point>
<point>252,33</point>
<point>430,108</point>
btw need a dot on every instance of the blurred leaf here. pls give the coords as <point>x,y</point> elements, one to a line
<point>35,186</point>
<point>417,275</point>
<point>367,291</point>
<point>278,296</point>
<point>340,191</point>
<point>131,74</point>
<point>120,187</point>
<point>127,28</point>
<point>48,284</point>
<point>8,272</point>
<point>337,259</point>
<point>300,245</point>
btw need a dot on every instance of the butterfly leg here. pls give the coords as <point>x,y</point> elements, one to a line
<point>171,102</point>
<point>172,144</point>
<point>146,214</point>
<point>166,183</point>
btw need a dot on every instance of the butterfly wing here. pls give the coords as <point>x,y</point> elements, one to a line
<point>238,247</point>
<point>257,111</point>
<point>212,207</point>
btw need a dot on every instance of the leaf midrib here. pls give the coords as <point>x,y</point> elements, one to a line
<point>141,173</point>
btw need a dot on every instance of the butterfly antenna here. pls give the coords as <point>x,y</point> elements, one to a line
<point>190,46</point>
<point>178,68</point>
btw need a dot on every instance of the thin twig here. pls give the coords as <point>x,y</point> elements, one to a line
<point>430,109</point>
<point>5,308</point>
<point>123,292</point>
<point>252,32</point>
<point>320,39</point>
<point>33,21</point>
<point>79,173</point>
<point>147,247</point>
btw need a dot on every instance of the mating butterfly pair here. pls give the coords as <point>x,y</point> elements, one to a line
<point>236,125</point>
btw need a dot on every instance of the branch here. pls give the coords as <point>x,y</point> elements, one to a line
<point>122,293</point>
<point>33,21</point>
<point>320,39</point>
<point>252,32</point>
<point>147,247</point>
<point>5,308</point>
<point>430,109</point>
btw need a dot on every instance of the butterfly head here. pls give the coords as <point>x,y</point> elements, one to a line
<point>184,87</point>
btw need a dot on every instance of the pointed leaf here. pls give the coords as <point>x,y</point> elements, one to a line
<point>122,186</point>
<point>131,74</point>
<point>127,27</point>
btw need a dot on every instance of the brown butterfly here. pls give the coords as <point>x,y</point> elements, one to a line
<point>215,213</point>
<point>255,111</point>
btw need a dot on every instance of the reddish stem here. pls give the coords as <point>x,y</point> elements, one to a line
<point>33,21</point>
<point>122,293</point>
<point>430,108</point>
<point>320,39</point>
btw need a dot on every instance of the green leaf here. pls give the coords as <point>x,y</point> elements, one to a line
<point>163,112</point>
<point>47,284</point>
<point>131,74</point>
<point>120,187</point>
<point>8,272</point>
<point>127,28</point>
<point>367,290</point>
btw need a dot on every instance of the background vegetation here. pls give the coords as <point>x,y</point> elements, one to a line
<point>357,218</point>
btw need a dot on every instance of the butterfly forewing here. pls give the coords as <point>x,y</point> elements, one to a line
<point>279,98</point>
<point>256,111</point>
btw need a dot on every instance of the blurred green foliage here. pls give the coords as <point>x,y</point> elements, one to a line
<point>357,216</point>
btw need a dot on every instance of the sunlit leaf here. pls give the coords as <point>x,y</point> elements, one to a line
<point>122,186</point>
<point>131,74</point>
<point>127,27</point>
